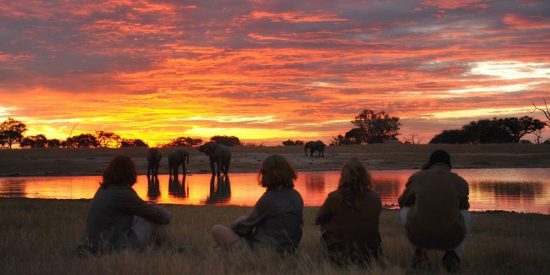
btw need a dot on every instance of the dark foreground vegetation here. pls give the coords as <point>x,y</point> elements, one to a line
<point>40,236</point>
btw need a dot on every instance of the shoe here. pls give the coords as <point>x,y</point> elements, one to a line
<point>451,261</point>
<point>420,259</point>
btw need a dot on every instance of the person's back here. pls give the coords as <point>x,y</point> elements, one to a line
<point>434,210</point>
<point>283,221</point>
<point>351,225</point>
<point>350,216</point>
<point>434,220</point>
<point>118,217</point>
<point>277,218</point>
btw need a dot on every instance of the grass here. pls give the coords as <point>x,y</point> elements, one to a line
<point>40,236</point>
<point>64,161</point>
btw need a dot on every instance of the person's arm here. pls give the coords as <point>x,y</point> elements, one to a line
<point>325,213</point>
<point>246,226</point>
<point>132,204</point>
<point>407,198</point>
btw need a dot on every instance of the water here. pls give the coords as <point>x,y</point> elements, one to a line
<point>517,189</point>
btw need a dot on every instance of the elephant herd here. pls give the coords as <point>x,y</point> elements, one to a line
<point>219,156</point>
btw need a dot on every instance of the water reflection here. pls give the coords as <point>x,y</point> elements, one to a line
<point>220,190</point>
<point>177,188</point>
<point>525,190</point>
<point>153,188</point>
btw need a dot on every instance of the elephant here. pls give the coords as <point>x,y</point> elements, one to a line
<point>313,146</point>
<point>219,154</point>
<point>175,159</point>
<point>153,162</point>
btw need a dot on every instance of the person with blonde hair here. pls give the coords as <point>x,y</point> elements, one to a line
<point>350,216</point>
<point>277,218</point>
<point>118,218</point>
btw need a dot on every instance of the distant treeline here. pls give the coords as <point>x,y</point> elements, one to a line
<point>12,133</point>
<point>369,127</point>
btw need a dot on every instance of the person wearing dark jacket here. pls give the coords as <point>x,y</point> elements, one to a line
<point>118,218</point>
<point>434,210</point>
<point>350,216</point>
<point>277,218</point>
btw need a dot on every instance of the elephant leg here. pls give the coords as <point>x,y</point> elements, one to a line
<point>212,167</point>
<point>218,167</point>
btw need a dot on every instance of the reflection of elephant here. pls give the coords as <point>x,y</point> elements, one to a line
<point>313,146</point>
<point>175,188</point>
<point>219,154</point>
<point>153,188</point>
<point>220,192</point>
<point>175,159</point>
<point>153,162</point>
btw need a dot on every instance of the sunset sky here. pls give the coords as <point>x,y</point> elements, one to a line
<point>268,70</point>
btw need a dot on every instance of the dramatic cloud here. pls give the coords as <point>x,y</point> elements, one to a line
<point>268,70</point>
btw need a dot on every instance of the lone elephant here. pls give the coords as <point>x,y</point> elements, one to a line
<point>175,159</point>
<point>153,162</point>
<point>315,146</point>
<point>220,157</point>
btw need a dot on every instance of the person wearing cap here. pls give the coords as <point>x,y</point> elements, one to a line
<point>434,211</point>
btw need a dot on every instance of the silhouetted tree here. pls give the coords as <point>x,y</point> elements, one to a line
<point>133,143</point>
<point>11,131</point>
<point>451,136</point>
<point>354,136</point>
<point>54,143</point>
<point>545,110</point>
<point>290,142</point>
<point>538,136</point>
<point>226,140</point>
<point>184,141</point>
<point>377,127</point>
<point>107,139</point>
<point>38,141</point>
<point>82,141</point>
<point>518,127</point>
<point>504,130</point>
<point>487,131</point>
<point>413,139</point>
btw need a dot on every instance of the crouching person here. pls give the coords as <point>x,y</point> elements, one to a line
<point>118,218</point>
<point>350,216</point>
<point>276,220</point>
<point>434,210</point>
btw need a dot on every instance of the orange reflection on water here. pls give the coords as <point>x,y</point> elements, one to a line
<point>522,190</point>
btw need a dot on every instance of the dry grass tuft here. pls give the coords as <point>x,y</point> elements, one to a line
<point>40,236</point>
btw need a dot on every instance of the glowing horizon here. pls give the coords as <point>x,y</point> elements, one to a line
<point>266,71</point>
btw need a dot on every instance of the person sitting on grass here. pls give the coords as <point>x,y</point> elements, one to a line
<point>434,210</point>
<point>118,218</point>
<point>277,219</point>
<point>350,216</point>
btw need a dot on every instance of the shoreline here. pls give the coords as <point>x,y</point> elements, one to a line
<point>384,208</point>
<point>255,171</point>
<point>91,162</point>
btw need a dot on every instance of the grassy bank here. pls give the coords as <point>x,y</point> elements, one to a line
<point>40,162</point>
<point>39,237</point>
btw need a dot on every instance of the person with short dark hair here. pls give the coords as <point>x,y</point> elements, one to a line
<point>434,210</point>
<point>277,218</point>
<point>350,217</point>
<point>118,218</point>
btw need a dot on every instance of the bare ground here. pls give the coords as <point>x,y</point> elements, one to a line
<point>53,162</point>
